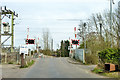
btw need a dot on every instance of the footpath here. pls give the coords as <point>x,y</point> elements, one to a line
<point>12,71</point>
<point>87,67</point>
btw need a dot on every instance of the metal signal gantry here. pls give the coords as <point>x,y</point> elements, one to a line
<point>4,12</point>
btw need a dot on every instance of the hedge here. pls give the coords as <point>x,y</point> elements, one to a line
<point>110,55</point>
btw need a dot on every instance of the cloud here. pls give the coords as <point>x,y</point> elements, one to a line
<point>48,11</point>
<point>36,1</point>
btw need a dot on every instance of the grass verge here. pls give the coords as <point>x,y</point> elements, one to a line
<point>10,63</point>
<point>111,74</point>
<point>29,64</point>
<point>107,74</point>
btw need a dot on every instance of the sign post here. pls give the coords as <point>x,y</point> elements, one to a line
<point>23,52</point>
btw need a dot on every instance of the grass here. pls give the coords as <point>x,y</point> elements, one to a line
<point>97,71</point>
<point>107,74</point>
<point>29,64</point>
<point>111,74</point>
<point>10,63</point>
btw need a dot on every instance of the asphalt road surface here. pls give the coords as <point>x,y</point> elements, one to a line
<point>58,68</point>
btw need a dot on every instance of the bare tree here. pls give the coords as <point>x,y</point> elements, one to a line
<point>46,38</point>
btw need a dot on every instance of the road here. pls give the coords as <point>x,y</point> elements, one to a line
<point>58,68</point>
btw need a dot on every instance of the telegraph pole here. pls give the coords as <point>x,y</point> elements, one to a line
<point>111,21</point>
<point>52,45</point>
<point>119,24</point>
<point>119,31</point>
<point>12,28</point>
<point>0,31</point>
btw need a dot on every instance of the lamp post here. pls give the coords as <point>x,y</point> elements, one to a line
<point>84,36</point>
<point>84,40</point>
<point>0,33</point>
<point>100,44</point>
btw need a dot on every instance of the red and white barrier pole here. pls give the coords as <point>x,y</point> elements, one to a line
<point>28,33</point>
<point>75,32</point>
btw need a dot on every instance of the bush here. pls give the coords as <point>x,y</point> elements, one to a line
<point>91,59</point>
<point>31,63</point>
<point>10,63</point>
<point>47,52</point>
<point>109,55</point>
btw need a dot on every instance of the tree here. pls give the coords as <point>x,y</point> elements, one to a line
<point>46,41</point>
<point>64,48</point>
<point>58,52</point>
<point>100,37</point>
<point>66,52</point>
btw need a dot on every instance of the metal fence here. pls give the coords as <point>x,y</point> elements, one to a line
<point>15,58</point>
<point>9,57</point>
<point>79,54</point>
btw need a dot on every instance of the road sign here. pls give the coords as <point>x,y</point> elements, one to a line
<point>23,49</point>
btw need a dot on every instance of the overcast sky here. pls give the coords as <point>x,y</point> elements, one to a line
<point>39,14</point>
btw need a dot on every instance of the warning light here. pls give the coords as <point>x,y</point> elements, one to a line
<point>30,41</point>
<point>75,42</point>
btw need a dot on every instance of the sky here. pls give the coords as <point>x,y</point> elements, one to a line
<point>53,15</point>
